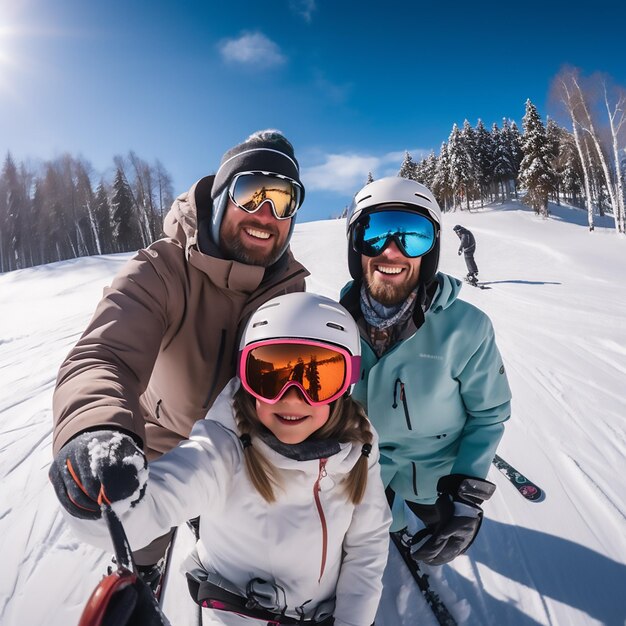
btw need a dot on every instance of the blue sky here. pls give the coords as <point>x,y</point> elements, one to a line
<point>351,84</point>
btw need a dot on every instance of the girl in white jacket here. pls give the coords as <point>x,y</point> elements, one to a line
<point>284,475</point>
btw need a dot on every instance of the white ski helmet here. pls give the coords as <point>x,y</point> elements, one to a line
<point>303,315</point>
<point>390,193</point>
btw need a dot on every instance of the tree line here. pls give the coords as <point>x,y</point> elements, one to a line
<point>584,165</point>
<point>52,212</point>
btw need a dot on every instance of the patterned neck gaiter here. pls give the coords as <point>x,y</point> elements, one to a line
<point>382,320</point>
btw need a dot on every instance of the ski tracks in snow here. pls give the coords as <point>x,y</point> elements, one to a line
<point>558,312</point>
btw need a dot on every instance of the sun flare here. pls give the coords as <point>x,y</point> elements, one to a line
<point>22,38</point>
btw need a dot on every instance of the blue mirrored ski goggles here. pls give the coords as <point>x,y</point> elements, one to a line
<point>414,234</point>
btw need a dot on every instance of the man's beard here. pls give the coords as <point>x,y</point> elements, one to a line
<point>386,293</point>
<point>233,247</point>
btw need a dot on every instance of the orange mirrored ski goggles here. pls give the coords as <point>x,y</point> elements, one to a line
<point>249,190</point>
<point>322,372</point>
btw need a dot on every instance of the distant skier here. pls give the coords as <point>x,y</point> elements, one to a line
<point>294,523</point>
<point>468,247</point>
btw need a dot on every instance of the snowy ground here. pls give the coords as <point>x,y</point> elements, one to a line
<point>558,303</point>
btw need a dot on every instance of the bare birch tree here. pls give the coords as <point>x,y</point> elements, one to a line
<point>569,98</point>
<point>165,192</point>
<point>615,102</point>
<point>143,191</point>
<point>582,97</point>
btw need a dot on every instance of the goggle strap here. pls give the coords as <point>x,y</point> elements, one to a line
<point>355,367</point>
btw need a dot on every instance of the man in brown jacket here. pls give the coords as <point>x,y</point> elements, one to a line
<point>163,340</point>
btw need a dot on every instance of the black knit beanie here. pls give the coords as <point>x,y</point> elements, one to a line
<point>265,150</point>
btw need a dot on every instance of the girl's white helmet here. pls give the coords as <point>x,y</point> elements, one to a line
<point>303,315</point>
<point>392,192</point>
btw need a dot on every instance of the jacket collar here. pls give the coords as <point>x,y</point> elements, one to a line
<point>304,451</point>
<point>181,224</point>
<point>341,462</point>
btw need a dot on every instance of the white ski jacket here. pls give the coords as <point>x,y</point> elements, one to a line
<point>316,546</point>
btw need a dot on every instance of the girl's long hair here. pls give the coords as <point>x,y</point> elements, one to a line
<point>347,423</point>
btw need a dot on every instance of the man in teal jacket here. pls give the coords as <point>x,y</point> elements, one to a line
<point>433,382</point>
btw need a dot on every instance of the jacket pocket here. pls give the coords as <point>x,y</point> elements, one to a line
<point>399,385</point>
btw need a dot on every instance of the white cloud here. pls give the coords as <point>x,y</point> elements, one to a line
<point>346,173</point>
<point>343,173</point>
<point>304,8</point>
<point>252,49</point>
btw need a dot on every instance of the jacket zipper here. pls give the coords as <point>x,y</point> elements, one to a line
<point>404,402</point>
<point>320,512</point>
<point>218,365</point>
<point>408,421</point>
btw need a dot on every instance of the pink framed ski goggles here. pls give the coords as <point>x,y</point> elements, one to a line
<point>323,372</point>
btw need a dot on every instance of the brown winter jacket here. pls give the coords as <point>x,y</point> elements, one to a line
<point>163,341</point>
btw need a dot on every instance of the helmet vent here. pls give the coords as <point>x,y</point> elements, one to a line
<point>364,198</point>
<point>331,308</point>
<point>419,195</point>
<point>335,326</point>
<point>257,324</point>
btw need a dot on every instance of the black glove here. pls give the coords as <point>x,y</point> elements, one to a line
<point>459,503</point>
<point>98,466</point>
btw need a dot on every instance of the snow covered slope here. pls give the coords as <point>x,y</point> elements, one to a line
<point>558,303</point>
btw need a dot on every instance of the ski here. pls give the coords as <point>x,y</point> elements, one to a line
<point>158,590</point>
<point>175,599</point>
<point>524,486</point>
<point>439,609</point>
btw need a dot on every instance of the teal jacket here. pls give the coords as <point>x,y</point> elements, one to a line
<point>438,399</point>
